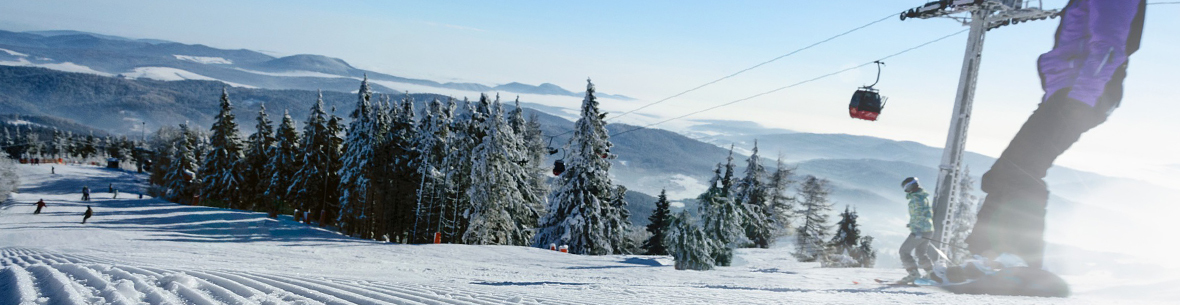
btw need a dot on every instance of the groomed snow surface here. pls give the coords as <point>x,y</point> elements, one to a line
<point>147,251</point>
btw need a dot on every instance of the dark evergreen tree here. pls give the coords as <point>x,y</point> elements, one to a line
<point>222,170</point>
<point>658,226</point>
<point>182,180</point>
<point>809,242</point>
<point>256,174</point>
<point>845,248</point>
<point>782,205</point>
<point>433,147</point>
<point>286,159</point>
<point>311,183</point>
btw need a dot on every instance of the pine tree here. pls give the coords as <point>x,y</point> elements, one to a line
<point>397,216</point>
<point>458,172</point>
<point>658,226</point>
<point>722,217</point>
<point>577,209</point>
<point>310,186</point>
<point>809,244</point>
<point>751,194</point>
<point>356,177</point>
<point>688,244</point>
<point>433,146</point>
<point>618,229</point>
<point>530,143</point>
<point>845,247</point>
<point>182,180</point>
<point>285,162</point>
<point>782,206</point>
<point>256,174</point>
<point>223,164</point>
<point>501,212</point>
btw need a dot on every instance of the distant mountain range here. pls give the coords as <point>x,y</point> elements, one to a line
<point>106,55</point>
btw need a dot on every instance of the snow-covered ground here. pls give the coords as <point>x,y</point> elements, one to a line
<point>147,251</point>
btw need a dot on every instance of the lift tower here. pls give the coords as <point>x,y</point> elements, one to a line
<point>981,16</point>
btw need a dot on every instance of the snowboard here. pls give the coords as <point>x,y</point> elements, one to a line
<point>1015,281</point>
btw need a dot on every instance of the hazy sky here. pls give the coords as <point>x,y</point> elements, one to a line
<point>654,49</point>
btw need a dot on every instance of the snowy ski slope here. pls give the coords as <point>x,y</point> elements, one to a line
<point>147,251</point>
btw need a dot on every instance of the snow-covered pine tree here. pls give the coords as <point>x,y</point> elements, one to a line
<point>751,193</point>
<point>310,183</point>
<point>722,218</point>
<point>576,209</point>
<point>845,249</point>
<point>256,174</point>
<point>356,177</point>
<point>814,208</point>
<point>658,226</point>
<point>782,206</point>
<point>285,161</point>
<point>431,144</point>
<point>335,141</point>
<point>458,173</point>
<point>965,214</point>
<point>222,170</point>
<point>501,213</point>
<point>402,197</point>
<point>619,225</point>
<point>182,180</point>
<point>688,243</point>
<point>531,144</point>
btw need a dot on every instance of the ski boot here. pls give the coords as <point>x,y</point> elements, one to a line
<point>909,279</point>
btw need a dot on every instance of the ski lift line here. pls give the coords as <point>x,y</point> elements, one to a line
<point>887,17</point>
<point>795,84</point>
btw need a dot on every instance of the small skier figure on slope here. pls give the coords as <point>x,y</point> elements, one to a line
<point>85,193</point>
<point>40,204</point>
<point>921,227</point>
<point>1083,81</point>
<point>87,215</point>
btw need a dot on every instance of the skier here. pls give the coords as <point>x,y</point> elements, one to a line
<point>110,188</point>
<point>40,204</point>
<point>921,227</point>
<point>52,170</point>
<point>1083,81</point>
<point>116,194</point>
<point>89,213</point>
<point>85,193</point>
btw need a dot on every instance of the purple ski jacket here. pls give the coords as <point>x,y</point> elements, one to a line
<point>1093,41</point>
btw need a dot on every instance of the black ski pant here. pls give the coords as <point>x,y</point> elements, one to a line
<point>1012,217</point>
<point>920,243</point>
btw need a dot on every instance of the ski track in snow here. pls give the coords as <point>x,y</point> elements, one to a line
<point>145,251</point>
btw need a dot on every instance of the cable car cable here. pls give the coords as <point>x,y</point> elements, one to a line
<point>793,85</point>
<point>887,17</point>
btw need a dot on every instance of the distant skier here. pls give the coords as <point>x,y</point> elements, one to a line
<point>52,170</point>
<point>1083,81</point>
<point>116,194</point>
<point>111,188</point>
<point>85,193</point>
<point>40,204</point>
<point>89,213</point>
<point>921,227</point>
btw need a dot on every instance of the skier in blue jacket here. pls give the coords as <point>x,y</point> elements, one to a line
<point>1083,81</point>
<point>921,227</point>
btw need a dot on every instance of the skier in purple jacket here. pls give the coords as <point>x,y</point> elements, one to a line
<point>1083,80</point>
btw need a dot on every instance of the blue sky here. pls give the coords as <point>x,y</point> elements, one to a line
<point>654,49</point>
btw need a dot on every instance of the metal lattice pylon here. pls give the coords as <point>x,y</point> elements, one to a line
<point>981,16</point>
